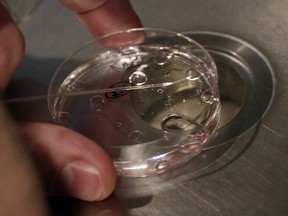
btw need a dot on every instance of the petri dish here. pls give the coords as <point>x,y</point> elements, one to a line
<point>149,97</point>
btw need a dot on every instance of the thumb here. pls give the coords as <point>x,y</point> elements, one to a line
<point>70,163</point>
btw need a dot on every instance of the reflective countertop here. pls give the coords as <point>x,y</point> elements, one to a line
<point>251,178</point>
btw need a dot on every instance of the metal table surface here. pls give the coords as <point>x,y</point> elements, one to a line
<point>252,181</point>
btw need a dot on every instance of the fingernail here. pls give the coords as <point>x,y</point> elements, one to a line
<point>82,180</point>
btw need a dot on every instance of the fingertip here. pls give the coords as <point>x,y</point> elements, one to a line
<point>114,15</point>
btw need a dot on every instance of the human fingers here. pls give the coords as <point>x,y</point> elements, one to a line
<point>21,191</point>
<point>104,16</point>
<point>11,52</point>
<point>74,165</point>
<point>11,47</point>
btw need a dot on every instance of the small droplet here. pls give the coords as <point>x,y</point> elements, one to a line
<point>160,90</point>
<point>136,136</point>
<point>96,103</point>
<point>138,78</point>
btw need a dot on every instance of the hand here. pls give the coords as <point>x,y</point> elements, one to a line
<point>69,163</point>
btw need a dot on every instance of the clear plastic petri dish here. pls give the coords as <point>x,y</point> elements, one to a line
<point>149,97</point>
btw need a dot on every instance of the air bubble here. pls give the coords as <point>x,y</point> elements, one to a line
<point>96,103</point>
<point>160,90</point>
<point>118,124</point>
<point>207,96</point>
<point>136,136</point>
<point>138,78</point>
<point>63,117</point>
<point>163,56</point>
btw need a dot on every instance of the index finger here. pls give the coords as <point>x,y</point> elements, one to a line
<point>104,16</point>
